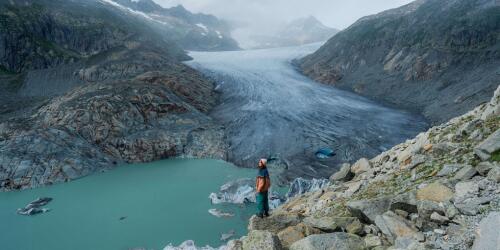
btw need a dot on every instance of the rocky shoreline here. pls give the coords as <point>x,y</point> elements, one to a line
<point>437,191</point>
<point>85,87</point>
<point>97,126</point>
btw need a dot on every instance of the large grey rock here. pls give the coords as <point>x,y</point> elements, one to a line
<point>488,146</point>
<point>436,217</point>
<point>292,234</point>
<point>449,169</point>
<point>393,226</point>
<point>408,243</point>
<point>361,166</point>
<point>261,240</point>
<point>333,241</point>
<point>331,224</point>
<point>467,198</point>
<point>465,173</point>
<point>488,235</point>
<point>344,174</point>
<point>368,210</point>
<point>484,167</point>
<point>492,108</point>
<point>494,174</point>
<point>436,192</point>
<point>405,202</point>
<point>274,223</point>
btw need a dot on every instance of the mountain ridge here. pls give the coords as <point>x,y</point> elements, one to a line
<point>417,57</point>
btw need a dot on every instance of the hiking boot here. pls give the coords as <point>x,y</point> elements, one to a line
<point>266,214</point>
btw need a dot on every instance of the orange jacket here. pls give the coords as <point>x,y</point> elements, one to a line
<point>262,184</point>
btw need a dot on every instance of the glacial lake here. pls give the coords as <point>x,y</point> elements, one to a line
<point>133,206</point>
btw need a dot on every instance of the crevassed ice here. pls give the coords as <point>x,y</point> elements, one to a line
<point>301,186</point>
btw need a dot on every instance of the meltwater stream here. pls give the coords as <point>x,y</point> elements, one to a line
<point>143,206</point>
<point>269,109</point>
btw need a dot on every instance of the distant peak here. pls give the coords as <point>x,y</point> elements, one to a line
<point>179,7</point>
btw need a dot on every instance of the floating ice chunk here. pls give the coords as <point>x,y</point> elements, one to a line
<point>218,213</point>
<point>239,191</point>
<point>227,236</point>
<point>189,245</point>
<point>34,207</point>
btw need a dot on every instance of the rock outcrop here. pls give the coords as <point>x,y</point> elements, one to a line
<point>432,192</point>
<point>85,87</point>
<point>438,58</point>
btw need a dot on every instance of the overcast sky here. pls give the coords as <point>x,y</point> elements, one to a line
<point>264,15</point>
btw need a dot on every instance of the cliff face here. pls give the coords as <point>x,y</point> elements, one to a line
<point>439,58</point>
<point>436,191</point>
<point>43,34</point>
<point>191,31</point>
<point>84,87</point>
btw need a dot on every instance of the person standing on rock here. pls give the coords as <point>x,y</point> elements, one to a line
<point>262,185</point>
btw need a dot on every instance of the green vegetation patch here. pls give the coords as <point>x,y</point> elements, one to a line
<point>495,156</point>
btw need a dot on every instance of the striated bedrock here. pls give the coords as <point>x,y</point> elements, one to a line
<point>85,86</point>
<point>439,58</point>
<point>97,126</point>
<point>431,192</point>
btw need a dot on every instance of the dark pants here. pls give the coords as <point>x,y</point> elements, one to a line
<point>262,202</point>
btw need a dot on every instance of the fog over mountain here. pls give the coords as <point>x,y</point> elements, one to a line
<point>265,17</point>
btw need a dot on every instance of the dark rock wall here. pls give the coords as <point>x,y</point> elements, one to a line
<point>439,58</point>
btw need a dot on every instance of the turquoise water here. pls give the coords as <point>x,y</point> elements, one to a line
<point>163,202</point>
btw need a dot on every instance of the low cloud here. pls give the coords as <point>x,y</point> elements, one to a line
<point>263,16</point>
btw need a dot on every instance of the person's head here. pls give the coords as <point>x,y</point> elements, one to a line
<point>262,163</point>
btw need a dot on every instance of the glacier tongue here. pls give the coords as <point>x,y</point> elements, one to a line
<point>300,186</point>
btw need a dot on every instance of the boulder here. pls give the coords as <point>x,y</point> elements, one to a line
<point>488,235</point>
<point>408,243</point>
<point>333,241</point>
<point>449,169</point>
<point>352,187</point>
<point>488,146</point>
<point>427,208</point>
<point>494,174</point>
<point>368,210</point>
<point>436,217</point>
<point>435,192</point>
<point>393,226</point>
<point>331,224</point>
<point>290,235</point>
<point>465,173</point>
<point>467,198</point>
<point>372,241</point>
<point>361,166</point>
<point>274,223</point>
<point>344,173</point>
<point>405,202</point>
<point>261,240</point>
<point>493,107</point>
<point>356,227</point>
<point>484,167</point>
